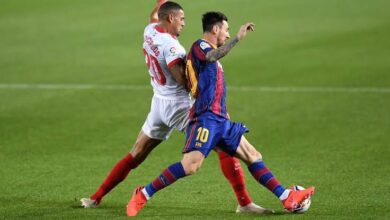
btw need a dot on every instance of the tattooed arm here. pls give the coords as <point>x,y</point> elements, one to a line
<point>221,51</point>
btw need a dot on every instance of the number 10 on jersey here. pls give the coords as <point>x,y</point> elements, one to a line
<point>203,135</point>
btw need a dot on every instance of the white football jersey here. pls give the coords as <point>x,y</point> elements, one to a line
<point>162,50</point>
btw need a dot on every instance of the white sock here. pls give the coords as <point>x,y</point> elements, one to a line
<point>145,193</point>
<point>284,194</point>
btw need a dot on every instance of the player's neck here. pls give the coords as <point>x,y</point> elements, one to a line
<point>165,28</point>
<point>209,37</point>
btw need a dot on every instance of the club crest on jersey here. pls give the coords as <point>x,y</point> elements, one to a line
<point>204,45</point>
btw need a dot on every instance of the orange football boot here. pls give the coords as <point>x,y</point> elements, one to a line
<point>296,197</point>
<point>137,202</point>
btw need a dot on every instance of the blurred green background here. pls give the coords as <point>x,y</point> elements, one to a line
<point>312,83</point>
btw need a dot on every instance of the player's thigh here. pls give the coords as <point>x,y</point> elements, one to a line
<point>202,135</point>
<point>232,133</point>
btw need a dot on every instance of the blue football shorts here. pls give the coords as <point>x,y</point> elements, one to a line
<point>210,130</point>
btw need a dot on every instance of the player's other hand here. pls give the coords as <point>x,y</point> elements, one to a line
<point>244,30</point>
<point>160,2</point>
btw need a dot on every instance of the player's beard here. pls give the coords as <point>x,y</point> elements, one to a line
<point>221,44</point>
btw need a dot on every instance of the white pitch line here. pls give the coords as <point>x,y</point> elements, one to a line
<point>234,88</point>
<point>73,87</point>
<point>311,89</point>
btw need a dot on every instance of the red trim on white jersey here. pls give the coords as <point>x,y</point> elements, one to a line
<point>161,30</point>
<point>173,62</point>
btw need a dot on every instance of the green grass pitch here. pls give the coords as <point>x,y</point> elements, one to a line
<point>331,131</point>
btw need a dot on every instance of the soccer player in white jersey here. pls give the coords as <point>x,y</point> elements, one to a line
<point>165,58</point>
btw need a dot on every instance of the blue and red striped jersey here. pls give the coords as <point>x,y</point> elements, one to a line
<point>206,81</point>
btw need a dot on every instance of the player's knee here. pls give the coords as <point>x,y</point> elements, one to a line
<point>254,156</point>
<point>192,162</point>
<point>191,168</point>
<point>190,171</point>
<point>141,149</point>
<point>258,155</point>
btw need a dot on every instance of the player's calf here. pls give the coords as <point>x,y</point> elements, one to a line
<point>143,146</point>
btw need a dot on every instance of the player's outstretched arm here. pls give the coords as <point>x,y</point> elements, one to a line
<point>244,30</point>
<point>154,16</point>
<point>222,51</point>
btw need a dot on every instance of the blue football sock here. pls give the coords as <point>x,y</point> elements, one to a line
<point>264,176</point>
<point>167,177</point>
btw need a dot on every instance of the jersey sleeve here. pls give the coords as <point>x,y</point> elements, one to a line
<point>173,53</point>
<point>200,48</point>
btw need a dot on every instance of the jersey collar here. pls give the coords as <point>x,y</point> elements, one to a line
<point>214,46</point>
<point>161,30</point>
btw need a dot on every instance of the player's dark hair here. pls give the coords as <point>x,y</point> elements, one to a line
<point>166,8</point>
<point>212,18</point>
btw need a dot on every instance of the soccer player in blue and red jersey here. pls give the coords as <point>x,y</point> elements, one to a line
<point>209,121</point>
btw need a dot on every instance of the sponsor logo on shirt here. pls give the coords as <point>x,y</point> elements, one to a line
<point>173,51</point>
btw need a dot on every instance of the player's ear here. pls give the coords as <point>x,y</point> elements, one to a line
<point>215,29</point>
<point>170,17</point>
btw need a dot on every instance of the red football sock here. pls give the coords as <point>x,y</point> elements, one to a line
<point>118,173</point>
<point>232,170</point>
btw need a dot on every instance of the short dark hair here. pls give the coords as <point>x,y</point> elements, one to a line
<point>165,8</point>
<point>211,18</point>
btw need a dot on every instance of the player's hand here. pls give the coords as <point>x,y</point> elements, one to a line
<point>160,2</point>
<point>244,30</point>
